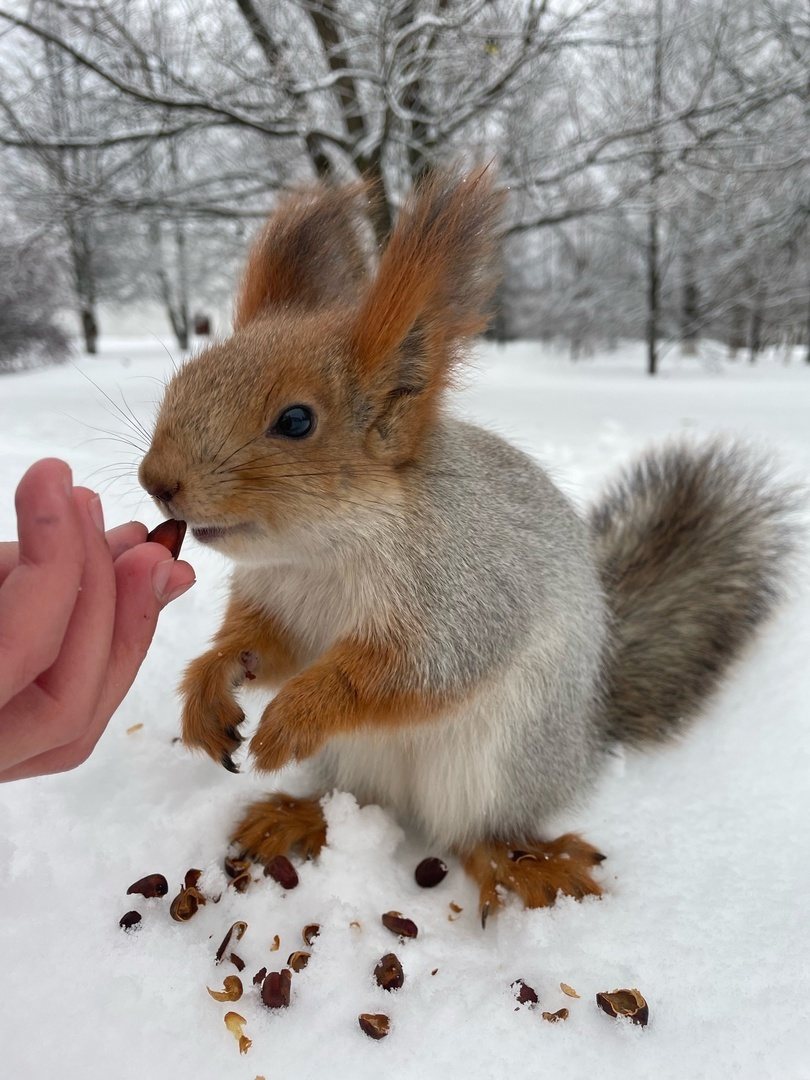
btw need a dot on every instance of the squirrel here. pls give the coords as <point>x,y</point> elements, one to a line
<point>447,635</point>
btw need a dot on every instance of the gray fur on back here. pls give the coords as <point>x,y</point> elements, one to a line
<point>553,637</point>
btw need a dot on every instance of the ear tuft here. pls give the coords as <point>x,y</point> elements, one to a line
<point>308,255</point>
<point>437,273</point>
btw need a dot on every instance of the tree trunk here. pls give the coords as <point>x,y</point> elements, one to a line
<point>755,325</point>
<point>690,306</point>
<point>736,336</point>
<point>175,302</point>
<point>653,290</point>
<point>84,283</point>
<point>89,330</point>
<point>653,218</point>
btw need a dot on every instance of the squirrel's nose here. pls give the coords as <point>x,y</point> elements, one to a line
<point>162,490</point>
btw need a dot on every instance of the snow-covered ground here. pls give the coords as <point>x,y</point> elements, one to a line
<point>708,842</point>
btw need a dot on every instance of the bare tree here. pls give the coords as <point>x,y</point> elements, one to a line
<point>637,138</point>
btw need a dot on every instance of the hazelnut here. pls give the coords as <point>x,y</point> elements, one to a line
<point>130,920</point>
<point>396,922</point>
<point>276,989</point>
<point>170,534</point>
<point>375,1025</point>
<point>627,1003</point>
<point>151,885</point>
<point>389,973</point>
<point>280,869</point>
<point>430,872</point>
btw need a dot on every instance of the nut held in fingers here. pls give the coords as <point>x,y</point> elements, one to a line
<point>170,534</point>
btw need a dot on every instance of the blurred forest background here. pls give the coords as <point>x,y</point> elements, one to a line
<point>657,154</point>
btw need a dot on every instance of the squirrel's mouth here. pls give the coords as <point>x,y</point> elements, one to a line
<point>209,534</point>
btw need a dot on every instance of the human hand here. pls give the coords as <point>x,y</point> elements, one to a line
<point>78,609</point>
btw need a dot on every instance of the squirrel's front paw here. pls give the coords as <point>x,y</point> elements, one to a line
<point>287,732</point>
<point>211,716</point>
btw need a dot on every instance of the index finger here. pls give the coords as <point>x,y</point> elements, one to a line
<point>119,540</point>
<point>39,594</point>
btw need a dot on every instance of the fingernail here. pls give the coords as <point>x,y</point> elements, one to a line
<point>161,574</point>
<point>95,512</point>
<point>180,590</point>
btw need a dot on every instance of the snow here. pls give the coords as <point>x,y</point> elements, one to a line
<point>708,842</point>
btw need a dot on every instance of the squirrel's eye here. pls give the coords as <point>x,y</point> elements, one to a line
<point>294,423</point>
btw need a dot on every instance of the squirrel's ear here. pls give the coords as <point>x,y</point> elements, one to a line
<point>309,253</point>
<point>434,282</point>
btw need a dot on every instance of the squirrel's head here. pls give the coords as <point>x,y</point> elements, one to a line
<point>327,390</point>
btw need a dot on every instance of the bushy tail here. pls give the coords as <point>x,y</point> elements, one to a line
<point>692,545</point>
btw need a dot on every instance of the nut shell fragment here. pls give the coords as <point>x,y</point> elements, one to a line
<point>568,990</point>
<point>375,1025</point>
<point>309,933</point>
<point>238,929</point>
<point>235,1024</point>
<point>231,989</point>
<point>298,960</point>
<point>192,878</point>
<point>169,534</point>
<point>628,1003</point>
<point>235,867</point>
<point>186,904</point>
<point>396,922</point>
<point>241,882</point>
<point>149,886</point>
<point>388,973</point>
<point>430,872</point>
<point>525,994</point>
<point>276,989</point>
<point>554,1017</point>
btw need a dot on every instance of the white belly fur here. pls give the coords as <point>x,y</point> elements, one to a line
<point>448,777</point>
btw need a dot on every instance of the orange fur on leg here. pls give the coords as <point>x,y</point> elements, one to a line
<point>247,646</point>
<point>353,685</point>
<point>281,824</point>
<point>536,871</point>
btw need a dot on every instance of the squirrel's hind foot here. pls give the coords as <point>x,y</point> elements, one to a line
<point>278,825</point>
<point>536,871</point>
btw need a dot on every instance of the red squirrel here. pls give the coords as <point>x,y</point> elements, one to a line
<point>445,634</point>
